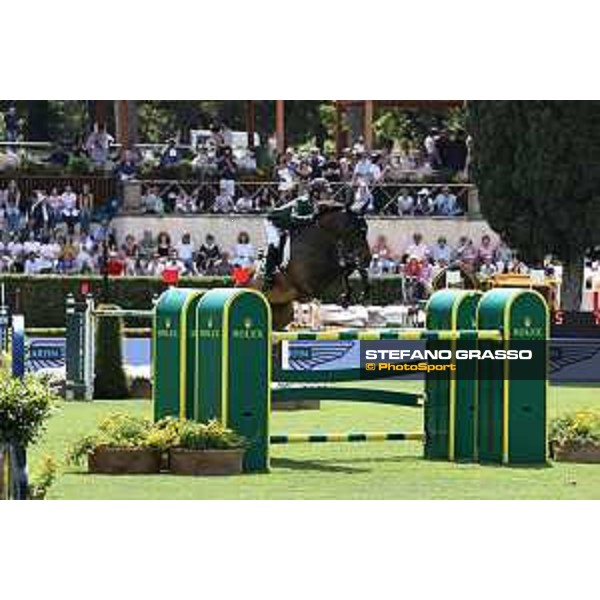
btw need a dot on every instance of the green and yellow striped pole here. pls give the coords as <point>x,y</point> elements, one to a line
<point>370,436</point>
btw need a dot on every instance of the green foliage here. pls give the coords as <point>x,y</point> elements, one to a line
<point>5,364</point>
<point>111,381</point>
<point>120,430</point>
<point>66,119</point>
<point>42,297</point>
<point>536,168</point>
<point>200,436</point>
<point>394,125</point>
<point>25,405</point>
<point>43,479</point>
<point>79,165</point>
<point>578,428</point>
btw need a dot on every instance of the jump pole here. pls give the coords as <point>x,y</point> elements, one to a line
<point>370,436</point>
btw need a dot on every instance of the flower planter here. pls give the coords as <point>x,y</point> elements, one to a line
<point>588,453</point>
<point>120,461</point>
<point>206,462</point>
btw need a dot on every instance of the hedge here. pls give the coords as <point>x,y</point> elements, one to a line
<point>41,298</point>
<point>110,381</point>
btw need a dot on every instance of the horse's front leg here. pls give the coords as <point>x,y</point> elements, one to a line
<point>346,296</point>
<point>365,284</point>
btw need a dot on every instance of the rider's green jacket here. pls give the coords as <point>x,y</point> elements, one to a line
<point>298,211</point>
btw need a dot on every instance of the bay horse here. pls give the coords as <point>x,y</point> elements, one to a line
<point>323,255</point>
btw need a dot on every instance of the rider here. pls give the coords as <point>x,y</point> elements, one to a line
<point>299,212</point>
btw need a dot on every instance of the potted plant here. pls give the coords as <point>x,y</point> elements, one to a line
<point>123,444</point>
<point>25,406</point>
<point>575,437</point>
<point>204,449</point>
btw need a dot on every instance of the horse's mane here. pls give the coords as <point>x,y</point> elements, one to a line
<point>325,207</point>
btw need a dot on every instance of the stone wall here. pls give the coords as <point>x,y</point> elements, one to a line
<point>398,231</point>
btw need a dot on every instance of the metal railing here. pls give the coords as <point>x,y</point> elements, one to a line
<point>270,193</point>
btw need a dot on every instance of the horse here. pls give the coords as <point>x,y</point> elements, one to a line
<point>323,255</point>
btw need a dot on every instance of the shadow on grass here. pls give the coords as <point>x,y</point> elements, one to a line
<point>313,465</point>
<point>328,466</point>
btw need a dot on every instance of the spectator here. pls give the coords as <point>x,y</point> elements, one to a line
<point>15,249</point>
<point>227,170</point>
<point>424,203</point>
<point>346,165</point>
<point>441,252</point>
<point>503,257</point>
<point>331,170</point>
<point>487,268</point>
<point>244,204</point>
<point>67,260</point>
<point>217,138</point>
<point>115,265</point>
<point>170,155</point>
<point>359,147</point>
<point>146,246</point>
<point>209,255</point>
<point>31,246</point>
<point>85,256</point>
<point>265,201</point>
<point>163,244</point>
<point>86,205</point>
<point>486,251</point>
<point>59,156</point>
<point>431,149</point>
<point>445,203</point>
<point>153,203</point>
<point>184,203</point>
<point>382,261</point>
<point>70,211</point>
<point>363,199</point>
<point>457,152</point>
<point>286,176</point>
<point>55,206</point>
<point>11,124</point>
<point>173,267</point>
<point>223,267</point>
<point>98,145</point>
<point>317,163</point>
<point>197,201</point>
<point>416,276</point>
<point>185,252</point>
<point>126,169</point>
<point>418,249</point>
<point>365,171</point>
<point>244,251</point>
<point>130,252</point>
<point>40,214</point>
<point>466,254</point>
<point>405,203</point>
<point>223,202</point>
<point>12,214</point>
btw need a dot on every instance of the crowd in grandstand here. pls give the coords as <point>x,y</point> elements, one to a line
<point>84,249</point>
<point>60,230</point>
<point>356,172</point>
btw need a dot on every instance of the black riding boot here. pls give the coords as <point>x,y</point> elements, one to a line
<point>271,263</point>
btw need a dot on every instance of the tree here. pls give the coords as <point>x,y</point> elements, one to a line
<point>537,169</point>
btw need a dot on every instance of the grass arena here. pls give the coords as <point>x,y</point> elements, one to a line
<point>379,438</point>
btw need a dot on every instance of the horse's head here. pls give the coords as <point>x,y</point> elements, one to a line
<point>350,233</point>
